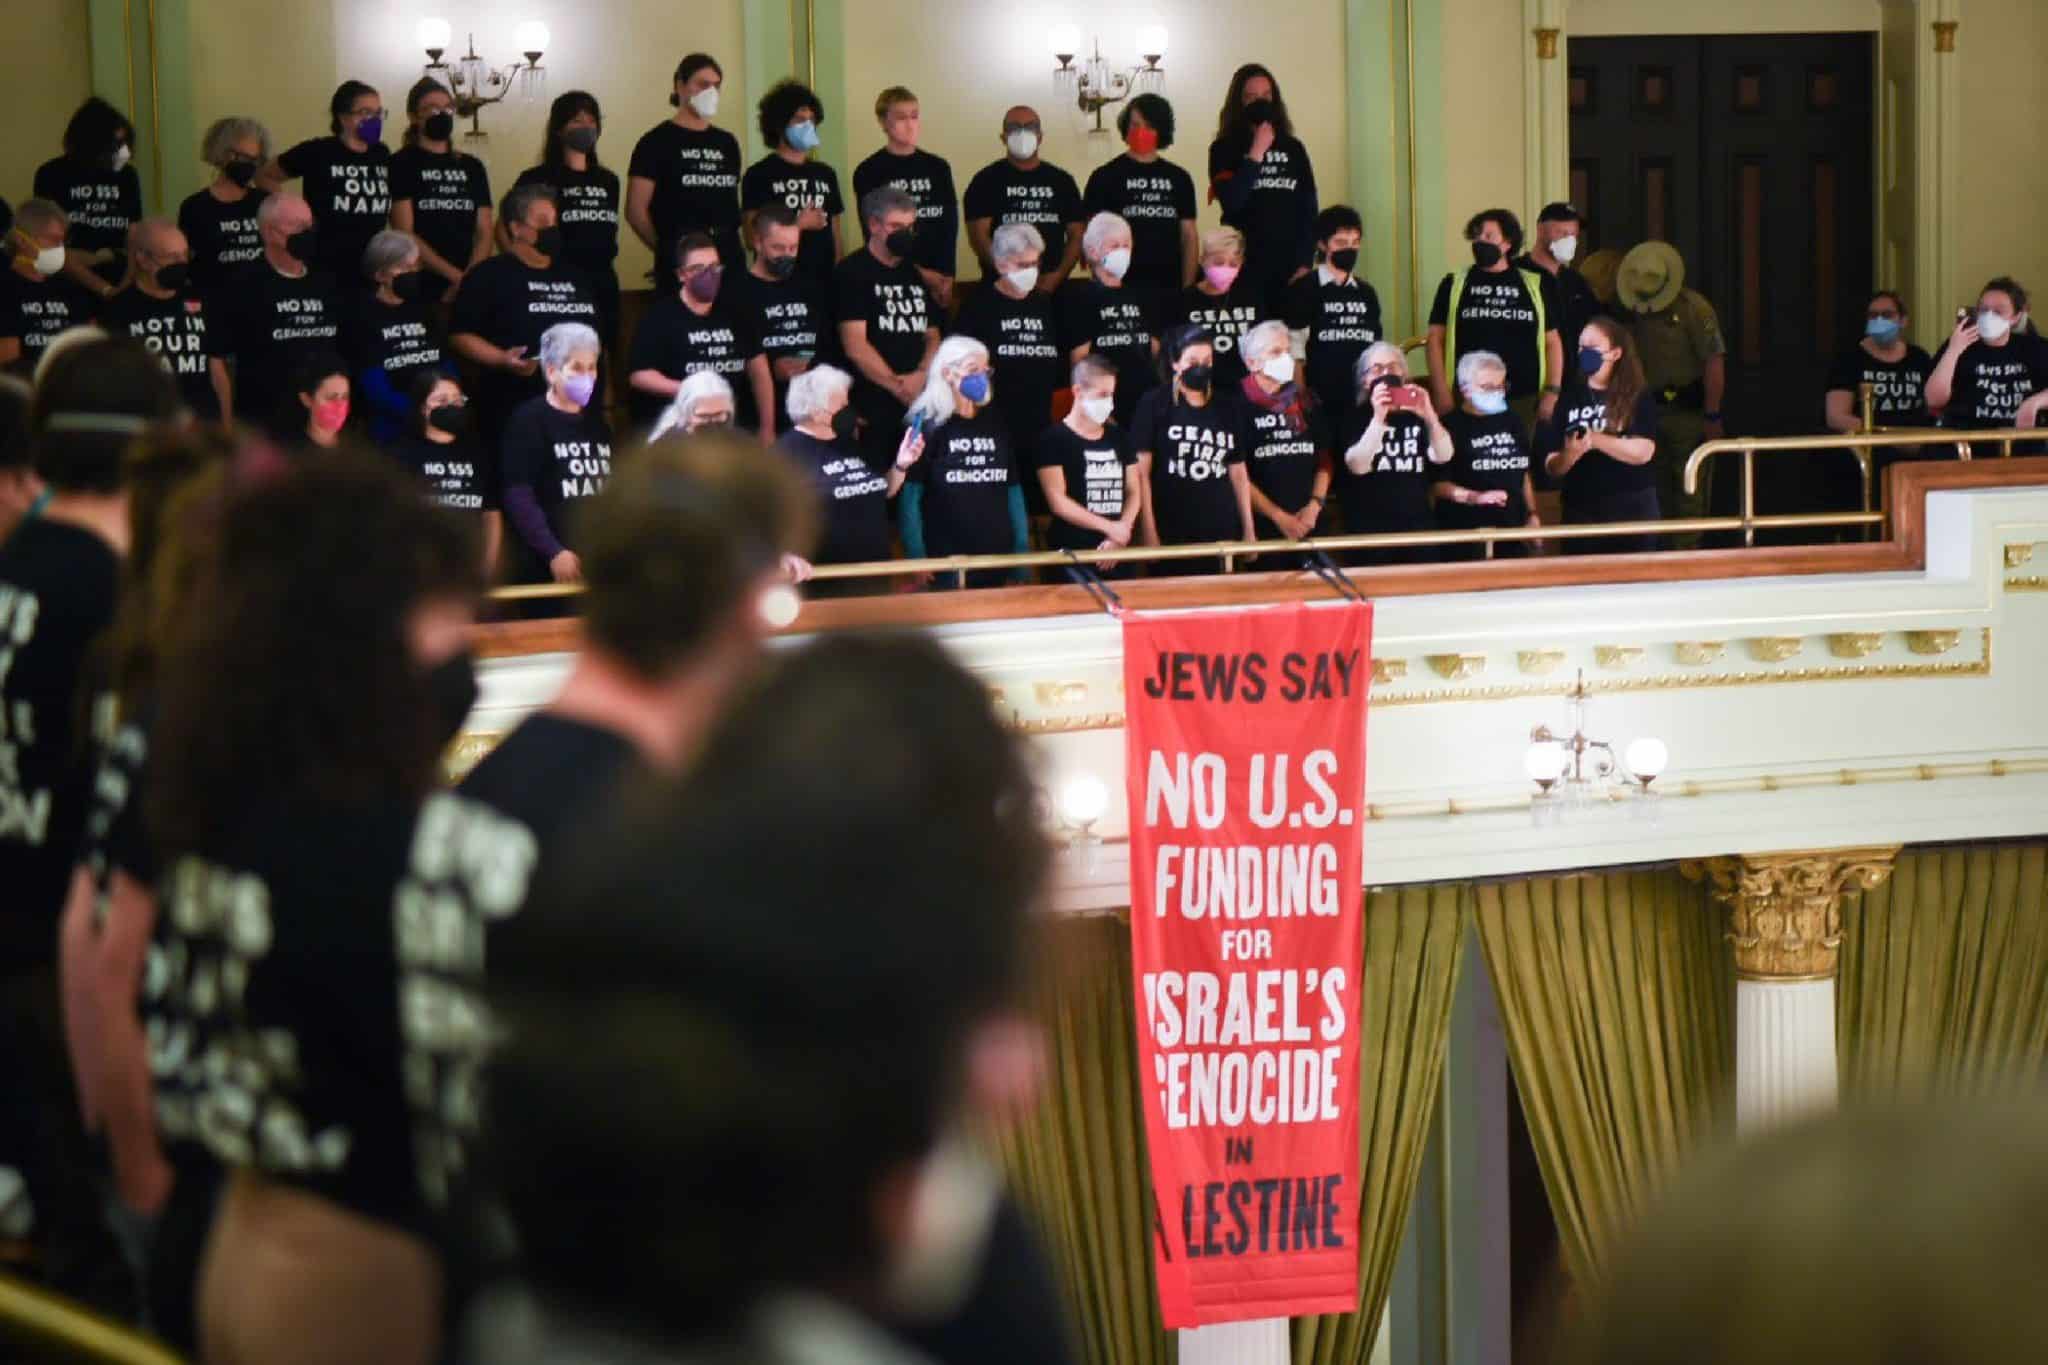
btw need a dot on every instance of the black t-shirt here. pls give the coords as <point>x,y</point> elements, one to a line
<point>176,330</point>
<point>274,324</point>
<point>1277,214</point>
<point>588,202</point>
<point>223,237</point>
<point>1341,320</point>
<point>892,301</point>
<point>805,185</point>
<point>928,180</point>
<point>793,319</point>
<point>1899,387</point>
<point>350,195</point>
<point>35,311</point>
<point>1577,302</point>
<point>1094,471</point>
<point>508,303</point>
<point>1283,458</point>
<point>401,340</point>
<point>447,190</point>
<point>1227,317</point>
<point>1120,325</point>
<point>967,469</point>
<point>1153,197</point>
<point>101,202</point>
<point>114,837</point>
<point>452,472</point>
<point>1992,381</point>
<point>1394,495</point>
<point>555,776</point>
<point>678,343</point>
<point>696,179</point>
<point>1598,475</point>
<point>57,593</point>
<point>852,496</point>
<point>1044,196</point>
<point>1029,363</point>
<point>1192,449</point>
<point>564,457</point>
<point>1490,454</point>
<point>316,1003</point>
<point>1496,313</point>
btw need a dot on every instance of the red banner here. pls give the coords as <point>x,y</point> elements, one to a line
<point>1245,765</point>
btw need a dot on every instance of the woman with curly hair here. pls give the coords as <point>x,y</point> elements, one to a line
<point>95,183</point>
<point>791,114</point>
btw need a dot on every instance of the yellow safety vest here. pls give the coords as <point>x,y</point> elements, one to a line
<point>1535,288</point>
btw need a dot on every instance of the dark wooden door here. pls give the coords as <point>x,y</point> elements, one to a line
<point>1635,141</point>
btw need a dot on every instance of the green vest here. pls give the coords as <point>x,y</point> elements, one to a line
<point>1535,288</point>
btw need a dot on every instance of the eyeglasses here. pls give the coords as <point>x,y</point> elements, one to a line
<point>1009,128</point>
<point>367,113</point>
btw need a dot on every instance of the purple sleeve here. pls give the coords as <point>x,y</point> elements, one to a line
<point>530,521</point>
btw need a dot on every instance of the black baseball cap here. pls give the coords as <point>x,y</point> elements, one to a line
<point>1558,212</point>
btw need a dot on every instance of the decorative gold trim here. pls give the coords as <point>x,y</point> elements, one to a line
<point>1785,909</point>
<point>2027,583</point>
<point>1940,641</point>
<point>1538,662</point>
<point>1067,725</point>
<point>1060,693</point>
<point>1855,644</point>
<point>998,697</point>
<point>1617,656</point>
<point>1774,649</point>
<point>1389,670</point>
<point>2016,555</point>
<point>1696,653</point>
<point>1546,43</point>
<point>1944,35</point>
<point>1457,667</point>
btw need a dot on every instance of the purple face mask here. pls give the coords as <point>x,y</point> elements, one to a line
<point>578,388</point>
<point>371,130</point>
<point>703,285</point>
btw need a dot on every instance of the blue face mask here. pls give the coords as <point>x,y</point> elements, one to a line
<point>1488,402</point>
<point>802,136</point>
<point>1591,358</point>
<point>974,388</point>
<point>1883,331</point>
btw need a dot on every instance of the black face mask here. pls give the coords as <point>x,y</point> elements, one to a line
<point>173,276</point>
<point>1195,378</point>
<point>1345,260</point>
<point>452,692</point>
<point>1257,112</point>
<point>452,418</point>
<point>1486,255</point>
<point>781,267</point>
<point>900,243</point>
<point>581,138</point>
<point>407,286</point>
<point>548,241</point>
<point>302,245</point>
<point>438,127</point>
<point>241,173</point>
<point>843,422</point>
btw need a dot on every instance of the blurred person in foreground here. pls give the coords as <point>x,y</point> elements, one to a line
<point>1898,1237</point>
<point>739,1149</point>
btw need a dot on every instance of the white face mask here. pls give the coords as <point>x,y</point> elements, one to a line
<point>1564,248</point>
<point>122,155</point>
<point>49,260</point>
<point>1279,369</point>
<point>1991,326</point>
<point>1023,144</point>
<point>705,101</point>
<point>1115,263</point>
<point>1023,281</point>
<point>1097,410</point>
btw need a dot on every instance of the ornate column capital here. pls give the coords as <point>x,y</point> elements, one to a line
<point>1785,909</point>
<point>1945,35</point>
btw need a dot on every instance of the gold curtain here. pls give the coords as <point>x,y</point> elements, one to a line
<point>1616,996</point>
<point>1944,974</point>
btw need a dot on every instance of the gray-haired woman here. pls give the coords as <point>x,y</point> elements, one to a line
<point>219,222</point>
<point>557,452</point>
<point>853,497</point>
<point>393,334</point>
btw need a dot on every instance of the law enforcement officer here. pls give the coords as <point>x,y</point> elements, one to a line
<point>1678,337</point>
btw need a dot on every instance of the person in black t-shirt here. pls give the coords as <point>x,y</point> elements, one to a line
<point>22,491</point>
<point>1154,196</point>
<point>96,185</point>
<point>1332,312</point>
<point>964,496</point>
<point>38,298</point>
<point>854,498</point>
<point>1020,325</point>
<point>793,316</point>
<point>1259,172</point>
<point>1552,250</point>
<point>346,177</point>
<point>685,174</point>
<point>326,401</point>
<point>1103,316</point>
<point>1191,442</point>
<point>557,452</point>
<point>1087,469</point>
<point>1991,372</point>
<point>901,165</point>
<point>1224,302</point>
<point>1896,371</point>
<point>694,329</point>
<point>587,198</point>
<point>279,310</point>
<point>1487,481</point>
<point>1290,438</point>
<point>703,402</point>
<point>1391,454</point>
<point>393,333</point>
<point>1021,188</point>
<point>162,310</point>
<point>1494,307</point>
<point>59,575</point>
<point>1601,442</point>
<point>219,221</point>
<point>791,114</point>
<point>439,445</point>
<point>888,327</point>
<point>439,195</point>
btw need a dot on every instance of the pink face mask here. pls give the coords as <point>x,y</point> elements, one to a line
<point>1220,277</point>
<point>332,416</point>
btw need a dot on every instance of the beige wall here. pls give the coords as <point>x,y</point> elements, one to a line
<point>1602,18</point>
<point>1482,117</point>
<point>46,70</point>
<point>969,62</point>
<point>2002,176</point>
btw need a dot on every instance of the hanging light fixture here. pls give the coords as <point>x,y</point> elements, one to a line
<point>473,81</point>
<point>1576,769</point>
<point>1097,83</point>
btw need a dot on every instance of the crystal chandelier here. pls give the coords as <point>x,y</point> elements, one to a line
<point>473,81</point>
